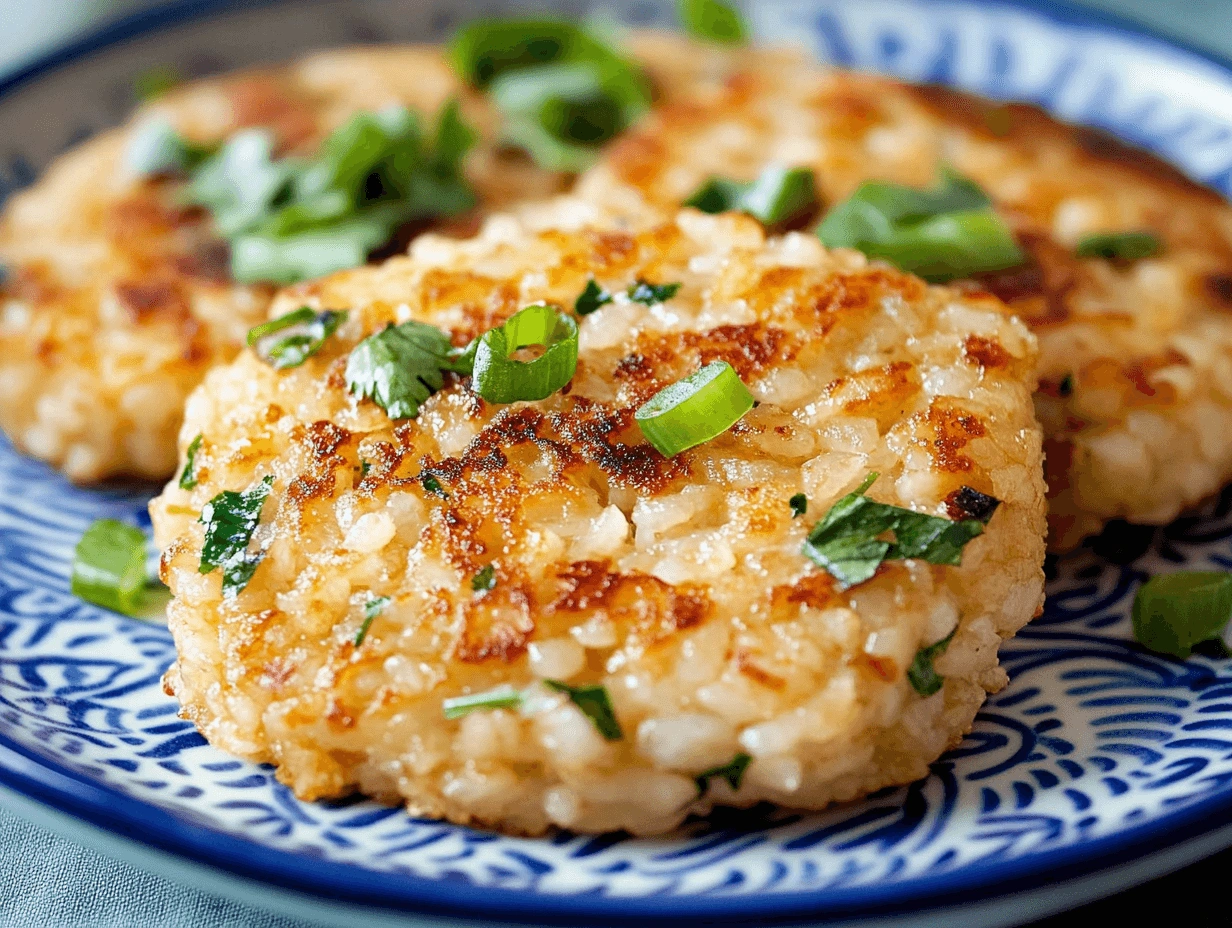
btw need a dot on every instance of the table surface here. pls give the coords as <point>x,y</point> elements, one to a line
<point>47,882</point>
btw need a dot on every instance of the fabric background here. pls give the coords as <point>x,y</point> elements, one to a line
<point>47,882</point>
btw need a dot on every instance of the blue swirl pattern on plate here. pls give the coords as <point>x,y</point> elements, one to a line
<point>1093,741</point>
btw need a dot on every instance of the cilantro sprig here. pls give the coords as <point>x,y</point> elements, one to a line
<point>399,367</point>
<point>848,541</point>
<point>230,519</point>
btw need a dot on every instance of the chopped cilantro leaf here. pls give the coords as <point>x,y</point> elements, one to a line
<point>484,580</point>
<point>798,504</point>
<point>433,486</point>
<point>188,476</point>
<point>921,674</point>
<point>591,298</point>
<point>400,367</point>
<point>595,704</point>
<point>651,294</point>
<point>372,608</point>
<point>230,519</point>
<point>732,772</point>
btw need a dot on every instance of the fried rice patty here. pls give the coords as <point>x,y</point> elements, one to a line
<point>1136,360</point>
<point>117,299</point>
<point>678,584</point>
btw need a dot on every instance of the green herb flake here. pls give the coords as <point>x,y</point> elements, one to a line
<point>798,504</point>
<point>595,704</point>
<point>1066,386</point>
<point>778,196</point>
<point>188,476</point>
<point>651,294</point>
<point>503,698</point>
<point>847,542</point>
<point>433,486</point>
<point>292,339</point>
<point>732,772</point>
<point>1174,613</point>
<point>1121,247</point>
<point>109,567</point>
<point>593,297</point>
<point>399,367</point>
<point>230,519</point>
<point>157,149</point>
<point>372,608</point>
<point>484,580</point>
<point>713,21</point>
<point>947,232</point>
<point>922,676</point>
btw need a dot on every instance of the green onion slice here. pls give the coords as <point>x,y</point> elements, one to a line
<point>694,410</point>
<point>1119,246</point>
<point>1174,612</point>
<point>503,698</point>
<point>109,567</point>
<point>940,234</point>
<point>595,704</point>
<point>732,772</point>
<point>847,542</point>
<point>779,195</point>
<point>308,331</point>
<point>922,676</point>
<point>188,476</point>
<point>501,378</point>
<point>714,21</point>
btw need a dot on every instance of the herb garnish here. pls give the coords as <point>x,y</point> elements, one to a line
<point>309,330</point>
<point>230,519</point>
<point>732,772</point>
<point>778,196</point>
<point>484,580</point>
<point>109,567</point>
<point>1121,247</point>
<point>188,476</point>
<point>714,21</point>
<point>847,541</point>
<point>595,704</point>
<point>1173,613</point>
<point>591,298</point>
<point>372,608</point>
<point>399,367</point>
<point>921,674</point>
<point>798,504</point>
<point>503,698</point>
<point>651,294</point>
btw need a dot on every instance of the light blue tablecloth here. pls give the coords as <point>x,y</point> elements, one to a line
<point>46,882</point>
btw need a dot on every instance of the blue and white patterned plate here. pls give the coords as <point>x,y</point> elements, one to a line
<point>1098,766</point>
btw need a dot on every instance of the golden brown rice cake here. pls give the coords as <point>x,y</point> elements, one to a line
<point>678,584</point>
<point>117,299</point>
<point>1136,360</point>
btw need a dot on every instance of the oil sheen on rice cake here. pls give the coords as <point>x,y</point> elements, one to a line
<point>117,298</point>
<point>1136,356</point>
<point>547,541</point>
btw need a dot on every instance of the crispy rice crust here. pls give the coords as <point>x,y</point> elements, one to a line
<point>117,299</point>
<point>1146,348</point>
<point>678,584</point>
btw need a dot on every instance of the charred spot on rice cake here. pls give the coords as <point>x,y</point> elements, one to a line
<point>604,623</point>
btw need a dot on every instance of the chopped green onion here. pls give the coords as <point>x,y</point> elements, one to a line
<point>372,608</point>
<point>950,231</point>
<point>778,196</point>
<point>1174,612</point>
<point>433,486</point>
<point>500,378</point>
<point>651,294</point>
<point>484,580</point>
<point>562,90</point>
<point>109,567</point>
<point>154,82</point>
<point>156,148</point>
<point>399,367</point>
<point>847,541</point>
<point>591,299</point>
<point>799,505</point>
<point>230,519</point>
<point>188,476</point>
<point>310,329</point>
<point>1119,246</point>
<point>694,410</point>
<point>732,772</point>
<point>714,21</point>
<point>922,676</point>
<point>503,698</point>
<point>595,704</point>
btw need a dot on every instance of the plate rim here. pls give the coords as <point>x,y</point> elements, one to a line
<point>148,828</point>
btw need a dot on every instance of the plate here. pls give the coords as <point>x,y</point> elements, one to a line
<point>1100,764</point>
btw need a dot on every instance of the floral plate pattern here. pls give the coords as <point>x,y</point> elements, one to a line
<point>1096,754</point>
